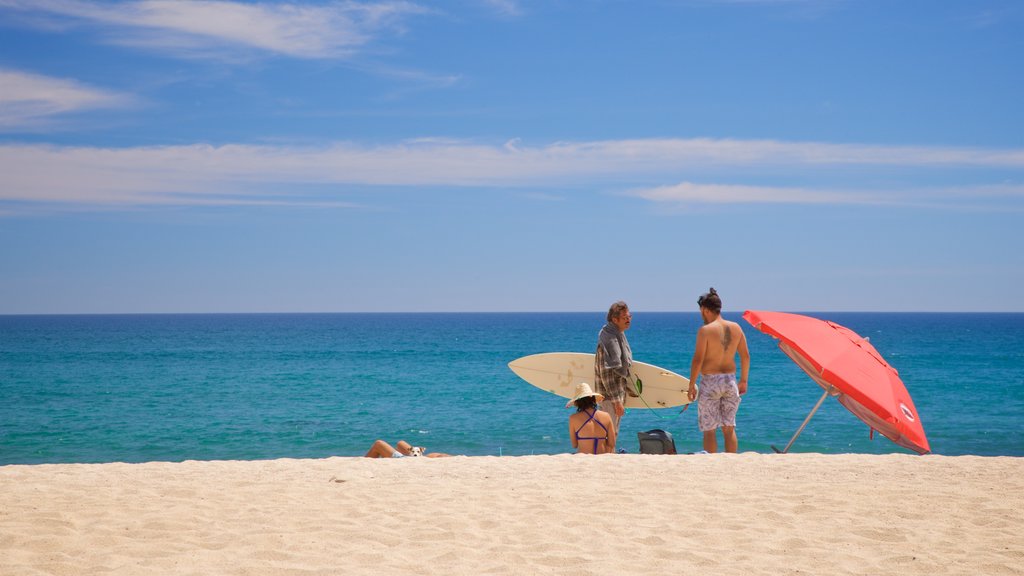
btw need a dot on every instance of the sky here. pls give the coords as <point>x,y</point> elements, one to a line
<point>175,156</point>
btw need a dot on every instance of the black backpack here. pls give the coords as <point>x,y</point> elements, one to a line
<point>656,442</point>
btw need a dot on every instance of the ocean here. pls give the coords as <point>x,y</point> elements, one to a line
<point>135,388</point>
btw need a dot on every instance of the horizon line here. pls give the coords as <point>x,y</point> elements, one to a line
<point>353,312</point>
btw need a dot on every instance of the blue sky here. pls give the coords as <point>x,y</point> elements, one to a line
<point>504,155</point>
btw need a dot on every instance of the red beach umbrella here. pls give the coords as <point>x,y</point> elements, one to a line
<point>848,367</point>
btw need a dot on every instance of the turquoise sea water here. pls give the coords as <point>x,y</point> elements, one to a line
<point>179,387</point>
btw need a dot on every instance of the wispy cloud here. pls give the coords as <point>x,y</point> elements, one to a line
<point>220,28</point>
<point>978,196</point>
<point>690,193</point>
<point>648,169</point>
<point>29,100</point>
<point>504,7</point>
<point>704,151</point>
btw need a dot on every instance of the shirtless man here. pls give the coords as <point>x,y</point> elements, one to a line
<point>714,360</point>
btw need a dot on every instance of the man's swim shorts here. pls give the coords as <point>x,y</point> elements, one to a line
<point>717,401</point>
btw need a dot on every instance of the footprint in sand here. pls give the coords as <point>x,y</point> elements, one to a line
<point>880,535</point>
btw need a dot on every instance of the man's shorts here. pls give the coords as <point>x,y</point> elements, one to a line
<point>717,401</point>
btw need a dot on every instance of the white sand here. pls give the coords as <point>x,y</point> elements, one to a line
<point>571,515</point>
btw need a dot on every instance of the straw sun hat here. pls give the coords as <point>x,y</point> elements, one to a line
<point>582,391</point>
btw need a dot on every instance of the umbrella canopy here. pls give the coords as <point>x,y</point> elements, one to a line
<point>847,366</point>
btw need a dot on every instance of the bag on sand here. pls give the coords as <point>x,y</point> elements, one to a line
<point>656,442</point>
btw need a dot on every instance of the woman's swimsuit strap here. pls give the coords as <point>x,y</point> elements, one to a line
<point>593,416</point>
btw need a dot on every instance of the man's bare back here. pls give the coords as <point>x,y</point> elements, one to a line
<point>721,340</point>
<point>718,343</point>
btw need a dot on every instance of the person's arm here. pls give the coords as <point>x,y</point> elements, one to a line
<point>628,384</point>
<point>628,381</point>
<point>744,362</point>
<point>612,434</point>
<point>697,362</point>
<point>572,436</point>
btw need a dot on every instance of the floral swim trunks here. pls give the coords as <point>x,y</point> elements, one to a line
<point>717,401</point>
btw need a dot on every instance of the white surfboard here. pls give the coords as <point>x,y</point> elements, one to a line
<point>560,372</point>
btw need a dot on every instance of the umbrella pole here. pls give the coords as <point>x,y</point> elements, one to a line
<point>806,420</point>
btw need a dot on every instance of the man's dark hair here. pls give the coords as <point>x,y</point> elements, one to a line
<point>616,309</point>
<point>711,301</point>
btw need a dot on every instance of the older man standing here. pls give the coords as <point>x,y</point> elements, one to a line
<point>612,363</point>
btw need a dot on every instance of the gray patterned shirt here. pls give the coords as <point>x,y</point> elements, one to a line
<point>612,362</point>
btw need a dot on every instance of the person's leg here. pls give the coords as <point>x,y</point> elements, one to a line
<point>710,411</point>
<point>609,407</point>
<point>708,415</point>
<point>711,441</point>
<point>729,407</point>
<point>380,449</point>
<point>732,443</point>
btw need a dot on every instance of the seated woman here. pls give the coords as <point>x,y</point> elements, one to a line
<point>382,449</point>
<point>590,429</point>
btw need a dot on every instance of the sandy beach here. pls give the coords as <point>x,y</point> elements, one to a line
<point>570,515</point>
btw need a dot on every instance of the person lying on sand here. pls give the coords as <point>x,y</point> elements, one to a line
<point>382,449</point>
